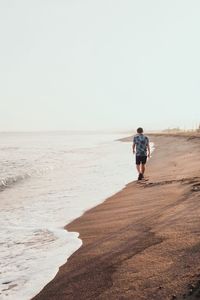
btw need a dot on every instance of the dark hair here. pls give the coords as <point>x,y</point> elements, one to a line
<point>140,130</point>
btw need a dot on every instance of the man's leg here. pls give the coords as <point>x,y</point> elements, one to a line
<point>137,161</point>
<point>138,168</point>
<point>144,160</point>
<point>143,169</point>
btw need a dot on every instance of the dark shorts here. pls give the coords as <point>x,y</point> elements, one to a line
<point>141,159</point>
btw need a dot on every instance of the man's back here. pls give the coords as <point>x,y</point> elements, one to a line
<point>141,141</point>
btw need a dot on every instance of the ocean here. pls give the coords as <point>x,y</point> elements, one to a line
<point>47,180</point>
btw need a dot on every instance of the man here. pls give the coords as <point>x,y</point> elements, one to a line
<point>141,143</point>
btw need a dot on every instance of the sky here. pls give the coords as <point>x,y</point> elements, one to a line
<point>99,64</point>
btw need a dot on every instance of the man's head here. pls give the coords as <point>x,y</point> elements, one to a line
<point>140,130</point>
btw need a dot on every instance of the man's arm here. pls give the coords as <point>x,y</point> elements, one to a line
<point>149,151</point>
<point>133,148</point>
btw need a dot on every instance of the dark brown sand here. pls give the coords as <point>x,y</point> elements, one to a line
<point>143,242</point>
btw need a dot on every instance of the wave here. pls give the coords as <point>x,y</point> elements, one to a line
<point>12,180</point>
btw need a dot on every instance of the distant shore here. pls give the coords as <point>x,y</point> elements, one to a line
<point>143,242</point>
<point>184,134</point>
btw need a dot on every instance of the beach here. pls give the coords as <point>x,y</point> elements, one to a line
<point>144,241</point>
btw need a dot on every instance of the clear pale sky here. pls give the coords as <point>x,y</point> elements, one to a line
<point>99,64</point>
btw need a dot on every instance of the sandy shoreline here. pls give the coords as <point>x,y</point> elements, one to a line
<point>143,242</point>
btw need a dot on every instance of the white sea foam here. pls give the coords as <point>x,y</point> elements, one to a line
<point>49,180</point>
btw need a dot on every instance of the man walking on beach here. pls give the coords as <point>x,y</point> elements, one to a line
<point>141,143</point>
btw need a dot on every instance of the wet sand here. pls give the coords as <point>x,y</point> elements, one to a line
<point>143,242</point>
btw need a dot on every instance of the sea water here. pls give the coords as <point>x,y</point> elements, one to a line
<point>46,181</point>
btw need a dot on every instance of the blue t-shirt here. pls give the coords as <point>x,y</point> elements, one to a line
<point>141,141</point>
